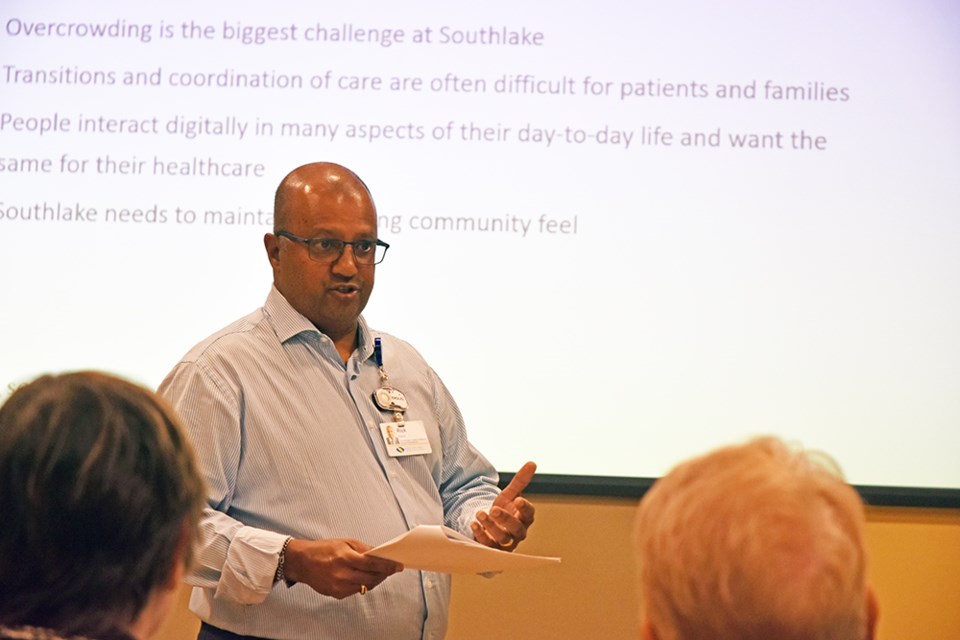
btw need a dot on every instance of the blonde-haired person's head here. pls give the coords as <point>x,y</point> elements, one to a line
<point>758,541</point>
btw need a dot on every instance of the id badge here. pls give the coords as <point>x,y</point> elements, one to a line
<point>405,438</point>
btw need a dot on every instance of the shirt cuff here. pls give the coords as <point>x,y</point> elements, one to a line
<point>251,565</point>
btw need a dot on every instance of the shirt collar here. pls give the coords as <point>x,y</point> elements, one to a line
<point>288,323</point>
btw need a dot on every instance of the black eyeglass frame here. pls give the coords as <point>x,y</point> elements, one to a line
<point>343,246</point>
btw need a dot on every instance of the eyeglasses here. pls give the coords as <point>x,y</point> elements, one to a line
<point>328,250</point>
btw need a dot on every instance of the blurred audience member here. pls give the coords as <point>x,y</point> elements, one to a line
<point>754,542</point>
<point>100,498</point>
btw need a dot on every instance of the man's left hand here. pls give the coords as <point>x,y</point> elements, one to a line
<point>510,515</point>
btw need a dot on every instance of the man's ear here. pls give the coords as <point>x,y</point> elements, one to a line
<point>179,559</point>
<point>873,612</point>
<point>647,631</point>
<point>272,244</point>
<point>164,596</point>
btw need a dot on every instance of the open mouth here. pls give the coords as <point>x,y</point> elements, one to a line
<point>346,289</point>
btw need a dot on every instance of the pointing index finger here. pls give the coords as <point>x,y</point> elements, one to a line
<point>519,482</point>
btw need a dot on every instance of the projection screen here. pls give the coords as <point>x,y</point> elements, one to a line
<point>623,233</point>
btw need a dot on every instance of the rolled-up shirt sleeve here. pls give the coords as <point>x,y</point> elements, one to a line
<point>236,560</point>
<point>469,482</point>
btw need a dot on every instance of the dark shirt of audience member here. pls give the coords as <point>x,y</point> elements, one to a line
<point>754,542</point>
<point>100,498</point>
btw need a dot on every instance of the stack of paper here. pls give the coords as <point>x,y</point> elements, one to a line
<point>441,549</point>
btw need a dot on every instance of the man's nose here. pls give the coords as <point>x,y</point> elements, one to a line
<point>346,263</point>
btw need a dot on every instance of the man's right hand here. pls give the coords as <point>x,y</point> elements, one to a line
<point>336,567</point>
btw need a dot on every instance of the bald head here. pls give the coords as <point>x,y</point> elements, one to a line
<point>319,202</point>
<point>316,180</point>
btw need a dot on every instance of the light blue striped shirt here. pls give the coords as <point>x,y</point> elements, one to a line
<point>289,442</point>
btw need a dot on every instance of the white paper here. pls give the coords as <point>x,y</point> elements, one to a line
<point>441,549</point>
